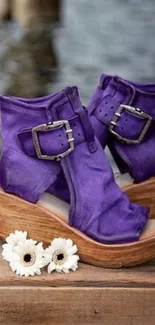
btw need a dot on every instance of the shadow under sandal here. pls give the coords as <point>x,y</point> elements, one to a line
<point>122,114</point>
<point>107,228</point>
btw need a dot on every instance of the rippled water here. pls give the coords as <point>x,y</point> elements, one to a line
<point>114,36</point>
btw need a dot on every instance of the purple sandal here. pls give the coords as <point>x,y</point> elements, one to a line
<point>49,146</point>
<point>122,114</point>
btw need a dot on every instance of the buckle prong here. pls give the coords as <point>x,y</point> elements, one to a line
<point>69,131</point>
<point>134,111</point>
<point>51,127</point>
<point>70,140</point>
<point>117,114</point>
<point>113,123</point>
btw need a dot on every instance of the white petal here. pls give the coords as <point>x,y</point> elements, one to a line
<point>32,273</point>
<point>65,270</point>
<point>7,252</point>
<point>58,270</point>
<point>71,262</point>
<point>38,272</point>
<point>13,267</point>
<point>27,274</point>
<point>69,243</point>
<point>74,268</point>
<point>22,234</point>
<point>51,267</point>
<point>18,249</point>
<point>59,267</point>
<point>31,242</point>
<point>58,243</point>
<point>72,250</point>
<point>47,258</point>
<point>16,237</point>
<point>74,258</point>
<point>40,246</point>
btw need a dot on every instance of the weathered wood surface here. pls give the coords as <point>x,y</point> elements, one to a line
<point>86,276</point>
<point>44,306</point>
<point>92,295</point>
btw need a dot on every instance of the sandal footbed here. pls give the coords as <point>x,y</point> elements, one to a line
<point>142,193</point>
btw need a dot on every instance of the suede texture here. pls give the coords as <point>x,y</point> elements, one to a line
<point>138,159</point>
<point>99,208</point>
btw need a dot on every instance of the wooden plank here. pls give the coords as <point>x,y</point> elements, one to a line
<point>85,276</point>
<point>46,306</point>
<point>142,320</point>
<point>92,295</point>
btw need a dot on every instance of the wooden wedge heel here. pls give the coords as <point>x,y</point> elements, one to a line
<point>44,225</point>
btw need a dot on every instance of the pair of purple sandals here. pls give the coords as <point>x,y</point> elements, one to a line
<point>53,144</point>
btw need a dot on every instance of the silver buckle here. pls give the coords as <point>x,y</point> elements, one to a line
<point>134,111</point>
<point>48,127</point>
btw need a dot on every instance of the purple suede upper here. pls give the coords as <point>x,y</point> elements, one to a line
<point>138,159</point>
<point>98,207</point>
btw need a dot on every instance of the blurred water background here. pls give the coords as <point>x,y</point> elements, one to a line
<point>114,36</point>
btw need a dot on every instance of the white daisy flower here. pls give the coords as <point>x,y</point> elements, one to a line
<point>61,255</point>
<point>14,238</point>
<point>28,258</point>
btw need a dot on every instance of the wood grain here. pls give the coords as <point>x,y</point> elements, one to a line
<point>91,295</point>
<point>46,306</point>
<point>42,225</point>
<point>85,276</point>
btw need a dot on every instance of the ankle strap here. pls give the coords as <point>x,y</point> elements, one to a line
<point>114,108</point>
<point>39,129</point>
<point>126,113</point>
<point>52,141</point>
<point>120,124</point>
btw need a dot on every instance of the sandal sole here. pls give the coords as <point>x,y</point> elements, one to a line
<point>42,225</point>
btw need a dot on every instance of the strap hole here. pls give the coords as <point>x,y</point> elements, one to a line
<point>62,144</point>
<point>100,110</point>
<point>106,103</point>
<point>78,134</point>
<point>112,107</point>
<point>105,114</point>
<point>126,120</point>
<point>60,135</point>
